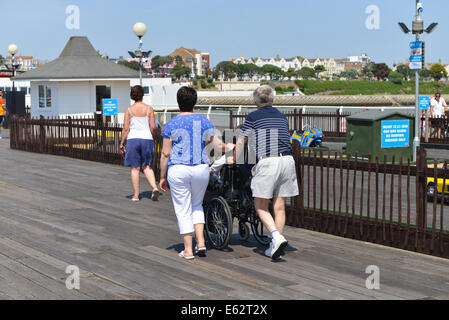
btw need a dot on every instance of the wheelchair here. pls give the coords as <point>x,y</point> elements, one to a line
<point>227,198</point>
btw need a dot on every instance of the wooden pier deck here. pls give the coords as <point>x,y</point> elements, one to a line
<point>56,212</point>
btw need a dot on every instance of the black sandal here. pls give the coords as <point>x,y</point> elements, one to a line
<point>155,196</point>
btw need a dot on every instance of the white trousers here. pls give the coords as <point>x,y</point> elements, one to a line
<point>188,186</point>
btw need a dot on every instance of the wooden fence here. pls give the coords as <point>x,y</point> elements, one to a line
<point>371,200</point>
<point>83,138</point>
<point>430,127</point>
<point>333,124</point>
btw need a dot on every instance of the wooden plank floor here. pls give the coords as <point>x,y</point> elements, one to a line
<point>56,212</point>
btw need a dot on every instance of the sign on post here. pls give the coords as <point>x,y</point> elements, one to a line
<point>395,134</point>
<point>416,56</point>
<point>424,103</point>
<point>110,107</point>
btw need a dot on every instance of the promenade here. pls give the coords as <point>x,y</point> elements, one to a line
<point>56,212</point>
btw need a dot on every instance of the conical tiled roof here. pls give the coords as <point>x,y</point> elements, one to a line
<point>79,60</point>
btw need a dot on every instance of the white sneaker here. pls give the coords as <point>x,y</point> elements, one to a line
<point>276,248</point>
<point>269,250</point>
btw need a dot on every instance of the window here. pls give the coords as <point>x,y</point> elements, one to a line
<point>41,97</point>
<point>48,96</point>
<point>146,90</point>
<point>44,96</point>
<point>24,90</point>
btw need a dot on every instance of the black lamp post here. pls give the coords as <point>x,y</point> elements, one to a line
<point>140,29</point>
<point>13,49</point>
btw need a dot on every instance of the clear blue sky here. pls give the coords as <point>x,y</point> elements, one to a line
<point>226,28</point>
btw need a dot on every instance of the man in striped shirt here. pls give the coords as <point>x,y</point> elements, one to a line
<point>274,176</point>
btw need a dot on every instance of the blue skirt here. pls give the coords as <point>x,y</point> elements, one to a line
<point>139,153</point>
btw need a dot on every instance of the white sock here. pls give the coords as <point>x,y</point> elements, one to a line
<point>275,234</point>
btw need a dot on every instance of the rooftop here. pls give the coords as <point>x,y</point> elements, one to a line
<point>79,60</point>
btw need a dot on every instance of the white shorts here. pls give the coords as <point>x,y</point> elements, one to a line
<point>275,178</point>
<point>188,185</point>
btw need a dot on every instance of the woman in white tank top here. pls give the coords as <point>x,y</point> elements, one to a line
<point>138,131</point>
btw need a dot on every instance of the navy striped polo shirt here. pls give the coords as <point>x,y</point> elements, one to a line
<point>268,132</point>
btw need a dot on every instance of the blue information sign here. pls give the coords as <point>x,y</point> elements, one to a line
<point>424,103</point>
<point>110,107</point>
<point>416,56</point>
<point>395,134</point>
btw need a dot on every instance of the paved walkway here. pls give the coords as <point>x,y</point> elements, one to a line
<point>56,212</point>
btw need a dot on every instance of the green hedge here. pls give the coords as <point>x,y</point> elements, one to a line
<point>357,87</point>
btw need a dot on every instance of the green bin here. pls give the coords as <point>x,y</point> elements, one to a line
<point>381,133</point>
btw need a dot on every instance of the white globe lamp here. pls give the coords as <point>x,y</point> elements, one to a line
<point>13,49</point>
<point>140,29</point>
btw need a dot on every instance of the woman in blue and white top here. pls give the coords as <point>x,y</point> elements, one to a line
<point>138,130</point>
<point>185,167</point>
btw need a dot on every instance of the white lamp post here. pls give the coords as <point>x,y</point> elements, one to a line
<point>13,49</point>
<point>140,29</point>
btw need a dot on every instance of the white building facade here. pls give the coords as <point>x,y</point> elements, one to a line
<point>284,64</point>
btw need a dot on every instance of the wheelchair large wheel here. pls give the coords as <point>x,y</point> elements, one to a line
<point>219,222</point>
<point>259,230</point>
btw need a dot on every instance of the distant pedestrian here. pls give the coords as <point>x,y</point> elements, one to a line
<point>274,176</point>
<point>438,108</point>
<point>138,132</point>
<point>3,112</point>
<point>185,167</point>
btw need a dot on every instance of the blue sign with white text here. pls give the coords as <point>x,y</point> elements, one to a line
<point>395,134</point>
<point>416,56</point>
<point>424,103</point>
<point>110,107</point>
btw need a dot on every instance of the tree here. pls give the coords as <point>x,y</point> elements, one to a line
<point>159,61</point>
<point>405,70</point>
<point>2,60</point>
<point>179,71</point>
<point>215,74</point>
<point>227,68</point>
<point>319,69</point>
<point>252,70</point>
<point>350,74</point>
<point>396,77</point>
<point>132,65</point>
<point>306,73</point>
<point>291,73</point>
<point>381,71</point>
<point>179,60</point>
<point>242,70</point>
<point>438,71</point>
<point>424,73</point>
<point>272,71</point>
<point>369,68</point>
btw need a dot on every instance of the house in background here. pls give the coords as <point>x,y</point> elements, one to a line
<point>79,80</point>
<point>25,63</point>
<point>199,62</point>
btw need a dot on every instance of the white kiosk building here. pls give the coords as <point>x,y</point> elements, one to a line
<point>77,81</point>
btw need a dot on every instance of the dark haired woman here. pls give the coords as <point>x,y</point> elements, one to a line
<point>138,132</point>
<point>185,166</point>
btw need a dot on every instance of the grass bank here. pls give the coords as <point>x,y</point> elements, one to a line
<point>362,87</point>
